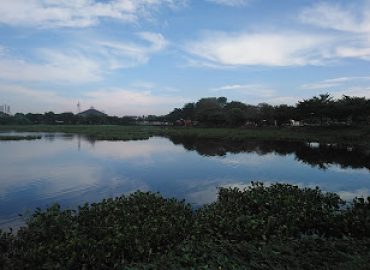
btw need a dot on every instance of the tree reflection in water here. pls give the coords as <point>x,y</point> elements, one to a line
<point>316,155</point>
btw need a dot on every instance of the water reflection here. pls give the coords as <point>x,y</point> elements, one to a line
<point>73,169</point>
<point>314,154</point>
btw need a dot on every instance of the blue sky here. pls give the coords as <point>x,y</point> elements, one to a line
<point>134,57</point>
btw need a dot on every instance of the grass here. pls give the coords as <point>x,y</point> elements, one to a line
<point>352,135</point>
<point>276,227</point>
<point>19,138</point>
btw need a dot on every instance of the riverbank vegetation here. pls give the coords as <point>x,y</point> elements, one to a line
<point>19,138</point>
<point>263,227</point>
<point>345,135</point>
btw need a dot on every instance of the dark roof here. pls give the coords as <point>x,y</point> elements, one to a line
<point>92,112</point>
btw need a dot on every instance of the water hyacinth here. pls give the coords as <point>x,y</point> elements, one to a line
<point>263,227</point>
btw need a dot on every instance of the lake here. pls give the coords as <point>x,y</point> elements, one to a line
<point>73,169</point>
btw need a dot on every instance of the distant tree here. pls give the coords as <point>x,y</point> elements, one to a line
<point>66,118</point>
<point>283,113</point>
<point>176,114</point>
<point>356,109</point>
<point>222,101</point>
<point>188,111</point>
<point>35,118</point>
<point>266,113</point>
<point>49,118</point>
<point>320,107</point>
<point>209,111</point>
<point>235,117</point>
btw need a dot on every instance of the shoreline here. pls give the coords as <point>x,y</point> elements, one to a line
<point>344,135</point>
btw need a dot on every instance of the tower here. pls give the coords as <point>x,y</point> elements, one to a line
<point>78,107</point>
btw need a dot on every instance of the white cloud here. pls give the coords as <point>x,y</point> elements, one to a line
<point>353,92</point>
<point>81,64</point>
<point>350,195</point>
<point>131,150</point>
<point>77,13</point>
<point>128,54</point>
<point>232,3</point>
<point>112,101</point>
<point>331,83</point>
<point>24,99</point>
<point>144,85</point>
<point>53,66</point>
<point>248,89</point>
<point>348,52</point>
<point>124,101</point>
<point>280,99</point>
<point>266,49</point>
<point>352,20</point>
<point>349,38</point>
<point>354,17</point>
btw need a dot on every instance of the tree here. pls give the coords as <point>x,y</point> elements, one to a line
<point>354,109</point>
<point>235,117</point>
<point>320,107</point>
<point>209,111</point>
<point>188,111</point>
<point>283,113</point>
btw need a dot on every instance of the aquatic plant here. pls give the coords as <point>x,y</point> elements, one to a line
<point>19,138</point>
<point>279,226</point>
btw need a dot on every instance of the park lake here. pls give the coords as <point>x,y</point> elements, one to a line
<point>74,169</point>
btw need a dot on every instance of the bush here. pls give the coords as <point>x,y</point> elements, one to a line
<point>276,227</point>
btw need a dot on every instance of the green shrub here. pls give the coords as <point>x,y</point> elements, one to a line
<point>263,227</point>
<point>279,210</point>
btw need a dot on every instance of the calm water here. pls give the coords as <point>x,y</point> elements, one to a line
<point>72,169</point>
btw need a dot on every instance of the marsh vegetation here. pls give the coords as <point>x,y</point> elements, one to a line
<point>349,135</point>
<point>262,227</point>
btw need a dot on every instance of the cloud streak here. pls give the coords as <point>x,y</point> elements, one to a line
<point>77,13</point>
<point>330,83</point>
<point>231,3</point>
<point>80,64</point>
<point>247,89</point>
<point>129,54</point>
<point>53,66</point>
<point>330,15</point>
<point>350,19</point>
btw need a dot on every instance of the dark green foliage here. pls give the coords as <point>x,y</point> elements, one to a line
<point>277,211</point>
<point>316,111</point>
<point>102,235</point>
<point>263,227</point>
<point>359,136</point>
<point>19,138</point>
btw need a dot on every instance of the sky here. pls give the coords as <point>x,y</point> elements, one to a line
<point>140,57</point>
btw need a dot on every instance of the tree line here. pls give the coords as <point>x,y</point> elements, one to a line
<point>318,110</point>
<point>217,111</point>
<point>67,118</point>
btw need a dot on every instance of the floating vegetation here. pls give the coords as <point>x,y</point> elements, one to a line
<point>19,138</point>
<point>263,227</point>
<point>345,135</point>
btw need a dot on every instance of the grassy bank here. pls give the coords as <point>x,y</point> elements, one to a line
<point>19,138</point>
<point>99,132</point>
<point>354,135</point>
<point>275,227</point>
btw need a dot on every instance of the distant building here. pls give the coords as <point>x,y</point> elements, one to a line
<point>91,112</point>
<point>5,109</point>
